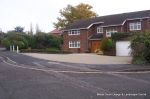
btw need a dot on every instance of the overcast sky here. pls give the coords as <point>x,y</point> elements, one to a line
<point>44,12</point>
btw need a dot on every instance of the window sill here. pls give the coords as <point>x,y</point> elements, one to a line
<point>74,47</point>
<point>135,30</point>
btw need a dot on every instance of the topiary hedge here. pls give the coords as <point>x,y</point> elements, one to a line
<point>140,45</point>
<point>108,47</point>
<point>106,44</point>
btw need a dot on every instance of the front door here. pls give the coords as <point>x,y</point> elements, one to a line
<point>95,44</point>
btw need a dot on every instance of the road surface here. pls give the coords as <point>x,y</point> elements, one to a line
<point>24,77</point>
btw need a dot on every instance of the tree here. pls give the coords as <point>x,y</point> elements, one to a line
<point>43,41</point>
<point>19,29</point>
<point>37,30</point>
<point>2,36</point>
<point>15,38</point>
<point>140,45</point>
<point>31,30</point>
<point>73,13</point>
<point>1,30</point>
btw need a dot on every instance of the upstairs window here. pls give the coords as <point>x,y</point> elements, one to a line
<point>135,26</point>
<point>99,29</point>
<point>74,32</point>
<point>74,44</point>
<point>110,31</point>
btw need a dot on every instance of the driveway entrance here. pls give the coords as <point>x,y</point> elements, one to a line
<point>83,58</point>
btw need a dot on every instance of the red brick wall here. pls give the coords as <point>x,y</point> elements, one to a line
<point>85,33</point>
<point>65,41</point>
<point>83,38</point>
<point>144,25</point>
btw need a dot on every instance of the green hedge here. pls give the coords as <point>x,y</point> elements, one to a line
<point>106,44</point>
<point>140,45</point>
<point>47,50</point>
<point>120,36</point>
<point>37,41</point>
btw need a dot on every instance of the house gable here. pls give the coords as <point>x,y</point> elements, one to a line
<point>109,20</point>
<point>107,25</point>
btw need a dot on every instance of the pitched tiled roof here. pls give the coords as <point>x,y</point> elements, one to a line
<point>96,36</point>
<point>55,31</point>
<point>116,19</point>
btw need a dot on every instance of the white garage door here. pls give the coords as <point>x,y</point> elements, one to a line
<point>123,48</point>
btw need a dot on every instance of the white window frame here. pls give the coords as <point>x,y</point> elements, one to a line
<point>110,31</point>
<point>74,32</point>
<point>99,29</point>
<point>135,26</point>
<point>74,44</point>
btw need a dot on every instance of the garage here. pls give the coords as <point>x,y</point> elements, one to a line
<point>123,48</point>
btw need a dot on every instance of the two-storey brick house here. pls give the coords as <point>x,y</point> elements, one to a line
<point>83,35</point>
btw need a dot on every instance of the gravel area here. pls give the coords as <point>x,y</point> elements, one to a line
<point>82,58</point>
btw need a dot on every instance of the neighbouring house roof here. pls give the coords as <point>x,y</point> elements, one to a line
<point>96,36</point>
<point>55,31</point>
<point>117,19</point>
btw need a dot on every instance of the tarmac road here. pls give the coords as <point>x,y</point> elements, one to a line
<point>24,77</point>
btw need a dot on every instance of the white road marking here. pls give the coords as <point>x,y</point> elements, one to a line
<point>54,63</point>
<point>74,67</point>
<point>130,78</point>
<point>37,64</point>
<point>10,60</point>
<point>76,72</point>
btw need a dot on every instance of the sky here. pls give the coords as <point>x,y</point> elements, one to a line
<point>44,12</point>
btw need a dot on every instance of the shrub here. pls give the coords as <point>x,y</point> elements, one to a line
<point>47,50</point>
<point>17,39</point>
<point>2,36</point>
<point>106,44</point>
<point>140,45</point>
<point>44,40</point>
<point>6,43</point>
<point>52,50</point>
<point>98,51</point>
<point>120,36</point>
<point>38,41</point>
